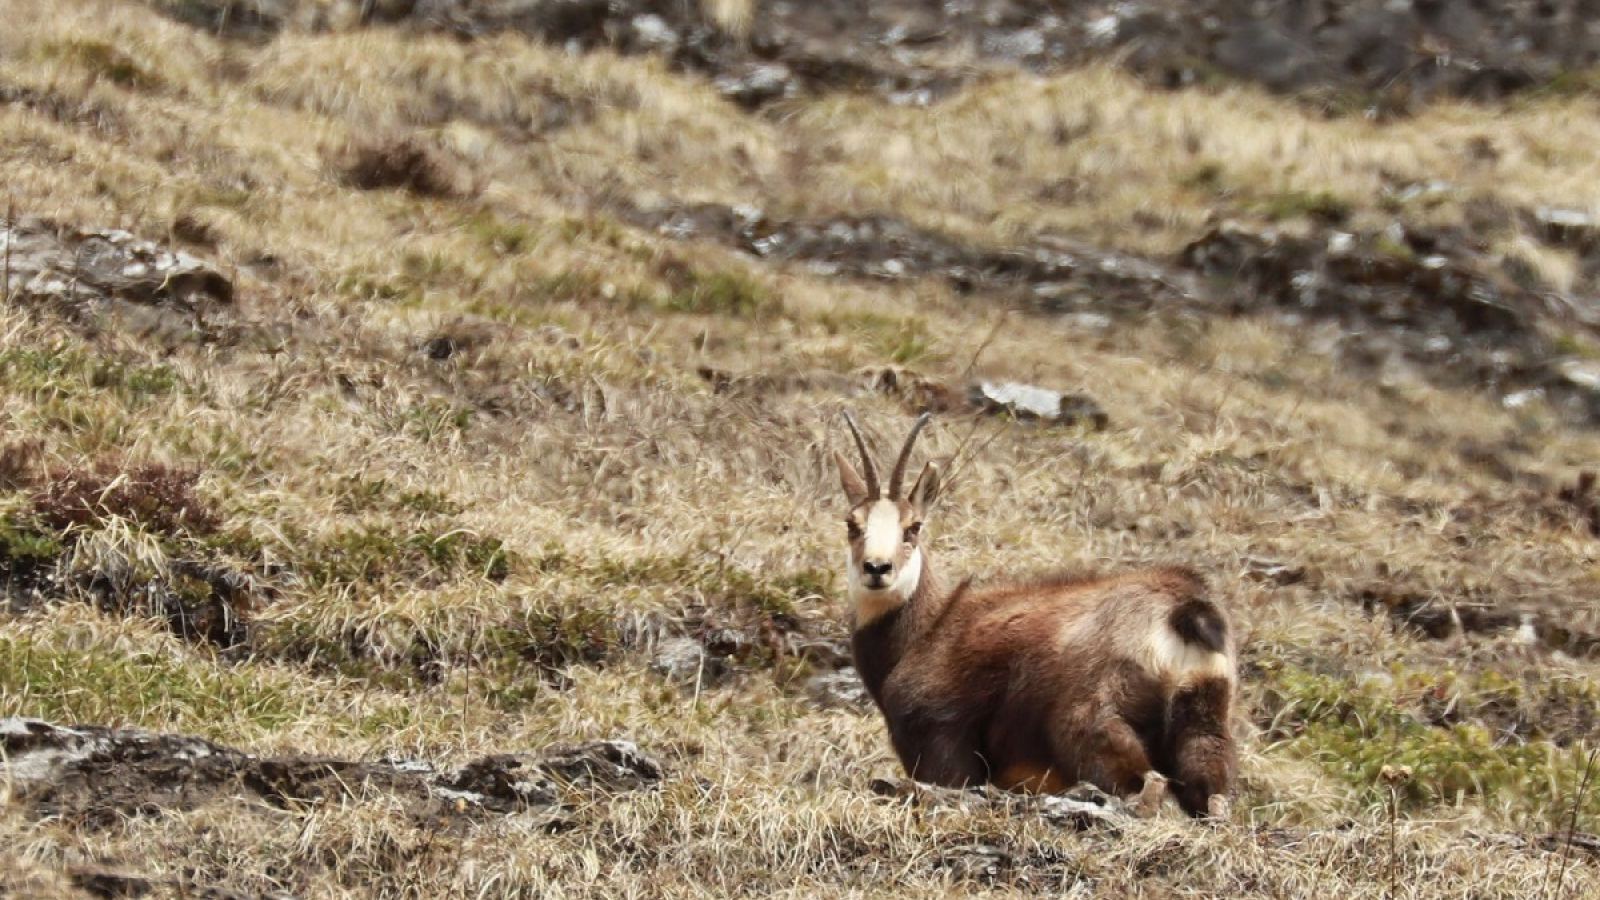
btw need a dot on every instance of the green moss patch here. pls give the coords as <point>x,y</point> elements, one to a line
<point>63,372</point>
<point>154,690</point>
<point>732,294</point>
<point>1440,739</point>
<point>374,555</point>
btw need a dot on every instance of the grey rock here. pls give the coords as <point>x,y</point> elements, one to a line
<point>1083,806</point>
<point>757,85</point>
<point>1569,227</point>
<point>1029,402</point>
<point>975,862</point>
<point>684,660</point>
<point>838,690</point>
<point>1262,52</point>
<point>652,33</point>
<point>1582,374</point>
<point>614,765</point>
<point>78,270</point>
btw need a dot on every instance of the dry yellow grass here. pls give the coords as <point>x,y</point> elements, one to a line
<point>573,429</point>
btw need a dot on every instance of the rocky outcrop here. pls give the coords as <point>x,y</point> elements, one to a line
<point>1054,275</point>
<point>1351,54</point>
<point>89,274</point>
<point>95,776</point>
<point>1402,301</point>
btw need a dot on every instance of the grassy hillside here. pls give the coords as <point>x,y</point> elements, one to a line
<point>481,437</point>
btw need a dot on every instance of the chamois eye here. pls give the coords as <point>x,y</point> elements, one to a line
<point>912,530</point>
<point>852,530</point>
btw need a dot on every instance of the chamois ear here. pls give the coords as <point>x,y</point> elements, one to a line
<point>855,490</point>
<point>926,490</point>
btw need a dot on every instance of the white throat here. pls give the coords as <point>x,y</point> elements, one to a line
<point>872,605</point>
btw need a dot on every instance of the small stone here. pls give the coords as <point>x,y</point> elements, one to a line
<point>758,85</point>
<point>682,660</point>
<point>1026,401</point>
<point>839,690</point>
<point>1581,373</point>
<point>1571,227</point>
<point>652,33</point>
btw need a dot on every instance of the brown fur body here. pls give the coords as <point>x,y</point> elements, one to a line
<point>1039,685</point>
<point>984,688</point>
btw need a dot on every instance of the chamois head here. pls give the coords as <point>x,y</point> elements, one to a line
<point>883,526</point>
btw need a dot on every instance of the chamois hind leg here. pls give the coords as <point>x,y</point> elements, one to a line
<point>1201,746</point>
<point>1107,753</point>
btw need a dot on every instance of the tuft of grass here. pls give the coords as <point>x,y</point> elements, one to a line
<point>1205,177</point>
<point>910,344</point>
<point>61,371</point>
<point>502,237</point>
<point>25,547</point>
<point>375,288</point>
<point>781,594</point>
<point>723,293</point>
<point>378,555</point>
<point>1318,205</point>
<point>435,418</point>
<point>103,60</point>
<point>358,495</point>
<point>397,163</point>
<point>901,339</point>
<point>1568,84</point>
<point>1386,245</point>
<point>553,639</point>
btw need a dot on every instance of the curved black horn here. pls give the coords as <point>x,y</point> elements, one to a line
<point>899,475</point>
<point>867,469</point>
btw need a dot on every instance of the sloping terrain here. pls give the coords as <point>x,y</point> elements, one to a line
<point>397,396</point>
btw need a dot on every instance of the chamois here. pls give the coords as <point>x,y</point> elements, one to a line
<point>1124,681</point>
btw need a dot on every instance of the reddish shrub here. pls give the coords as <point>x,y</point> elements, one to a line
<point>159,498</point>
<point>19,462</point>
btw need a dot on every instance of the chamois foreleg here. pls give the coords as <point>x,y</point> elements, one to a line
<point>1201,747</point>
<point>938,752</point>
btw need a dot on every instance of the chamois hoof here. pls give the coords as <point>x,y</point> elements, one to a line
<point>1151,796</point>
<point>1218,806</point>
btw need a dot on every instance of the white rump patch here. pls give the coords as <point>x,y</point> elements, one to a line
<point>1135,623</point>
<point>1174,659</point>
